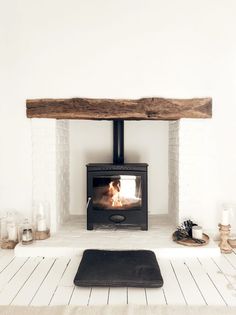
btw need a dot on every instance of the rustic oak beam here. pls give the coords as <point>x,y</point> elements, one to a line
<point>108,109</point>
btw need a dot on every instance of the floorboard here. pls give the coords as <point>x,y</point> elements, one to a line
<point>30,288</point>
<point>99,296</point>
<point>137,296</point>
<point>219,280</point>
<point>80,296</point>
<point>155,296</point>
<point>225,266</point>
<point>5,260</point>
<point>17,282</point>
<point>67,279</point>
<point>62,296</point>
<point>8,273</point>
<point>118,296</point>
<point>204,283</point>
<point>50,283</point>
<point>231,259</point>
<point>171,288</point>
<point>187,283</point>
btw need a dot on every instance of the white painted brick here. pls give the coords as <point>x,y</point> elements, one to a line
<point>174,170</point>
<point>189,161</point>
<point>50,155</point>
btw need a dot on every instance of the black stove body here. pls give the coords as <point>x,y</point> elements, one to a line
<point>117,193</point>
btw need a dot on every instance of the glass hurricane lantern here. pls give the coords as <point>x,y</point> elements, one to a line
<point>9,230</point>
<point>41,220</point>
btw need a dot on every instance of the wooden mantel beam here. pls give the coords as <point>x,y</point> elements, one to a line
<point>108,109</point>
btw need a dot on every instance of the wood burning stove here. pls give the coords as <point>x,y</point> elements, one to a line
<point>117,193</point>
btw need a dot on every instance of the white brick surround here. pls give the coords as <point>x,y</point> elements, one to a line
<point>188,160</point>
<point>50,156</point>
<point>174,171</point>
<point>189,175</point>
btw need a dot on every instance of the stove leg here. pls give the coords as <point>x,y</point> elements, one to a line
<point>89,226</point>
<point>144,227</point>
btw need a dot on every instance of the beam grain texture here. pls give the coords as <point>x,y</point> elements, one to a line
<point>108,109</point>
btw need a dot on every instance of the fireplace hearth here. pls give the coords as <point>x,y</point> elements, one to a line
<point>117,193</point>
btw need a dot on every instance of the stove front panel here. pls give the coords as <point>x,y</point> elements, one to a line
<point>117,195</point>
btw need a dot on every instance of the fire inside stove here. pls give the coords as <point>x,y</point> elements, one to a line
<point>121,192</point>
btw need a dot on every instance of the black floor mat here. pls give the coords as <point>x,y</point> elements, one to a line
<point>129,268</point>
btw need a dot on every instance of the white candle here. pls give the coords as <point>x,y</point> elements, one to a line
<point>41,209</point>
<point>197,232</point>
<point>41,226</point>
<point>225,217</point>
<point>12,231</point>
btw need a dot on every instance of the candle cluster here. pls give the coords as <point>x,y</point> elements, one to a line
<point>189,230</point>
<point>14,230</point>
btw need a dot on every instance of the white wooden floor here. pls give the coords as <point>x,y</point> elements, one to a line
<point>49,281</point>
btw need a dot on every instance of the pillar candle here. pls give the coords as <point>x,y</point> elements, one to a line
<point>41,226</point>
<point>12,232</point>
<point>41,209</point>
<point>197,232</point>
<point>225,217</point>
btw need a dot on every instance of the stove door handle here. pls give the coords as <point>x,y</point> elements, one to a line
<point>88,202</point>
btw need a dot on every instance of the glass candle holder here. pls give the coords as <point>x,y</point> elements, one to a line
<point>26,233</point>
<point>9,230</point>
<point>41,220</point>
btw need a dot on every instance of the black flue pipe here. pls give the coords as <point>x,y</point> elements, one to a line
<point>118,141</point>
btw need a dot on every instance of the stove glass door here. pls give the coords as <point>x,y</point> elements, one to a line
<point>121,192</point>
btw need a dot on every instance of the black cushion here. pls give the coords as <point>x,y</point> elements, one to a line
<point>126,268</point>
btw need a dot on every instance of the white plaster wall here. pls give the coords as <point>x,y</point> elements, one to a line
<point>147,142</point>
<point>126,48</point>
<point>198,178</point>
